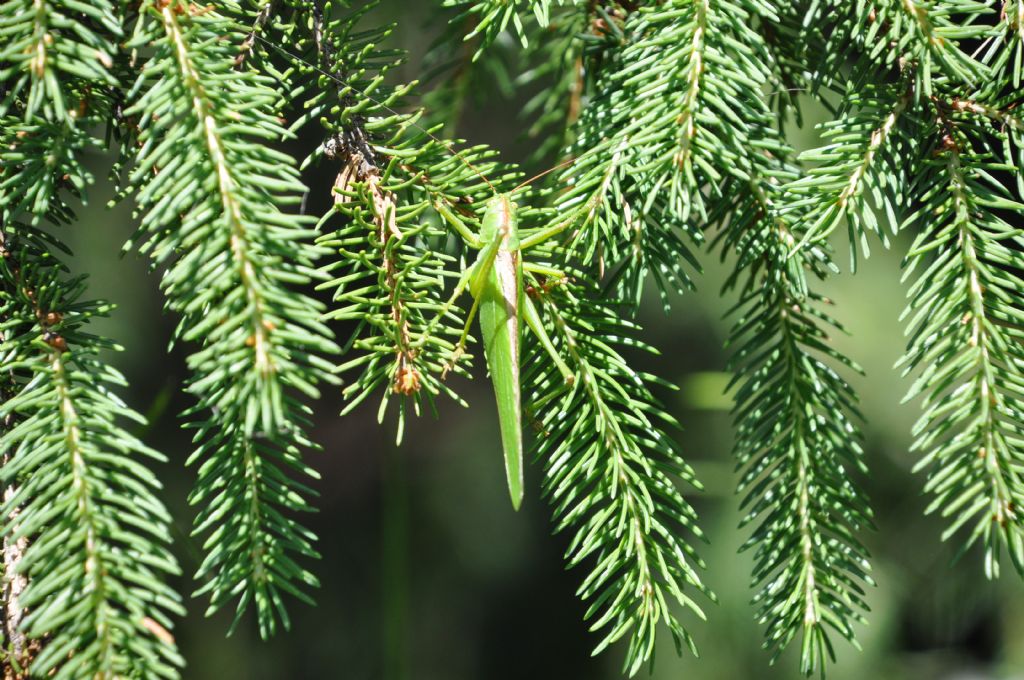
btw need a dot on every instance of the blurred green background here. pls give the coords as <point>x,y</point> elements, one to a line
<point>428,574</point>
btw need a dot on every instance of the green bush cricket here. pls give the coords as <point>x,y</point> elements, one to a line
<point>495,281</point>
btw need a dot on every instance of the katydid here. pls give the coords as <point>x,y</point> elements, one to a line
<point>495,281</point>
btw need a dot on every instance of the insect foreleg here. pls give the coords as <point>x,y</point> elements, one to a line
<point>483,265</point>
<point>464,231</point>
<point>472,279</point>
<point>475,279</point>
<point>460,287</point>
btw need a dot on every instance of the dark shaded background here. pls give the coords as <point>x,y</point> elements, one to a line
<point>428,574</point>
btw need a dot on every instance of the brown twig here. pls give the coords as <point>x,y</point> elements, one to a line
<point>20,650</point>
<point>250,40</point>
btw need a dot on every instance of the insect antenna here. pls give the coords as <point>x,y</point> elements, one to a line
<point>447,145</point>
<point>563,164</point>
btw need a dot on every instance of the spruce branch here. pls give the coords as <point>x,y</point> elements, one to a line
<point>922,36</point>
<point>612,474</point>
<point>80,504</point>
<point>85,536</point>
<point>923,150</point>
<point>858,176</point>
<point>670,136</point>
<point>212,194</point>
<point>964,324</point>
<point>658,130</point>
<point>796,441</point>
<point>49,45</point>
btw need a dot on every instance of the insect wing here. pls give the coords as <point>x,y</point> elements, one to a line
<point>499,329</point>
